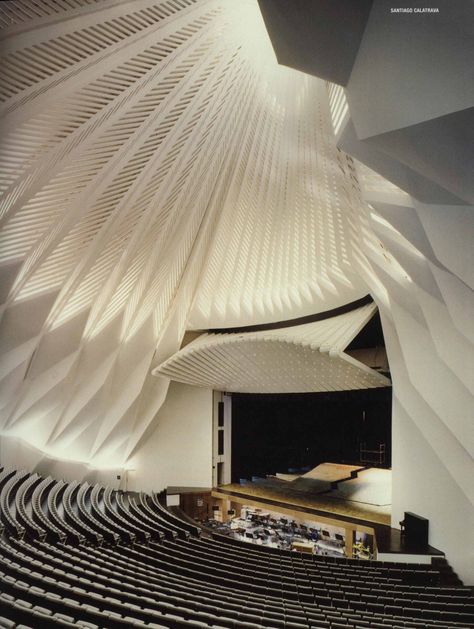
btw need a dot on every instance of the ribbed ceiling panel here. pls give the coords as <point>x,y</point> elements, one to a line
<point>300,359</point>
<point>160,172</point>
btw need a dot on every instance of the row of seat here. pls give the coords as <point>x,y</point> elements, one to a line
<point>22,496</point>
<point>156,503</point>
<point>90,556</point>
<point>125,589</point>
<point>7,494</point>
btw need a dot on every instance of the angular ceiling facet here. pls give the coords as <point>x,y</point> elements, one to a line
<point>160,172</point>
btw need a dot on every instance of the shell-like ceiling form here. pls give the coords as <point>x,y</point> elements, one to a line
<point>298,359</point>
<point>160,172</point>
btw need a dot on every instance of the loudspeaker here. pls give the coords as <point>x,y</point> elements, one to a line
<point>416,529</point>
<point>220,414</point>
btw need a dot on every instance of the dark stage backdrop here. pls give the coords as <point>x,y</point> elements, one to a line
<point>271,433</point>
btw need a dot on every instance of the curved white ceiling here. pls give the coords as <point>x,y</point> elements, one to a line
<point>160,172</point>
<point>298,359</point>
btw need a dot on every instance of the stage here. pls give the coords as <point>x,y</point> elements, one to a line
<point>352,497</point>
<point>346,492</point>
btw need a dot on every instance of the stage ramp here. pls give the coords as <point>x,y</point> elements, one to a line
<point>371,486</point>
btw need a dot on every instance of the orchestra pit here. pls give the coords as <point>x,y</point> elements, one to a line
<point>236,340</point>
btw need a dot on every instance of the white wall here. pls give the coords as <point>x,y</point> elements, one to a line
<point>18,454</point>
<point>432,469</point>
<point>431,358</point>
<point>179,451</point>
<point>422,484</point>
<point>417,261</point>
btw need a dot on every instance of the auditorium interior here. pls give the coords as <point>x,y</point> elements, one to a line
<point>236,320</point>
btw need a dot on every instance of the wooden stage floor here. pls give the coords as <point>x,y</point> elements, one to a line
<point>281,493</point>
<point>332,472</point>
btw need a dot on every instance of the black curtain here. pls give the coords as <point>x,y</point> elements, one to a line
<point>272,433</point>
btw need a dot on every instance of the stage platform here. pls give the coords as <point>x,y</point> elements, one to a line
<point>278,492</point>
<point>332,472</point>
<point>348,514</point>
<point>371,486</point>
<point>323,478</point>
<point>350,491</point>
<point>325,472</point>
<point>287,477</point>
<point>392,546</point>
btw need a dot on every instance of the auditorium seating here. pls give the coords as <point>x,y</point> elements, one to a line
<point>122,532</point>
<point>49,523</point>
<point>73,555</point>
<point>115,515</point>
<point>155,504</point>
<point>23,494</point>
